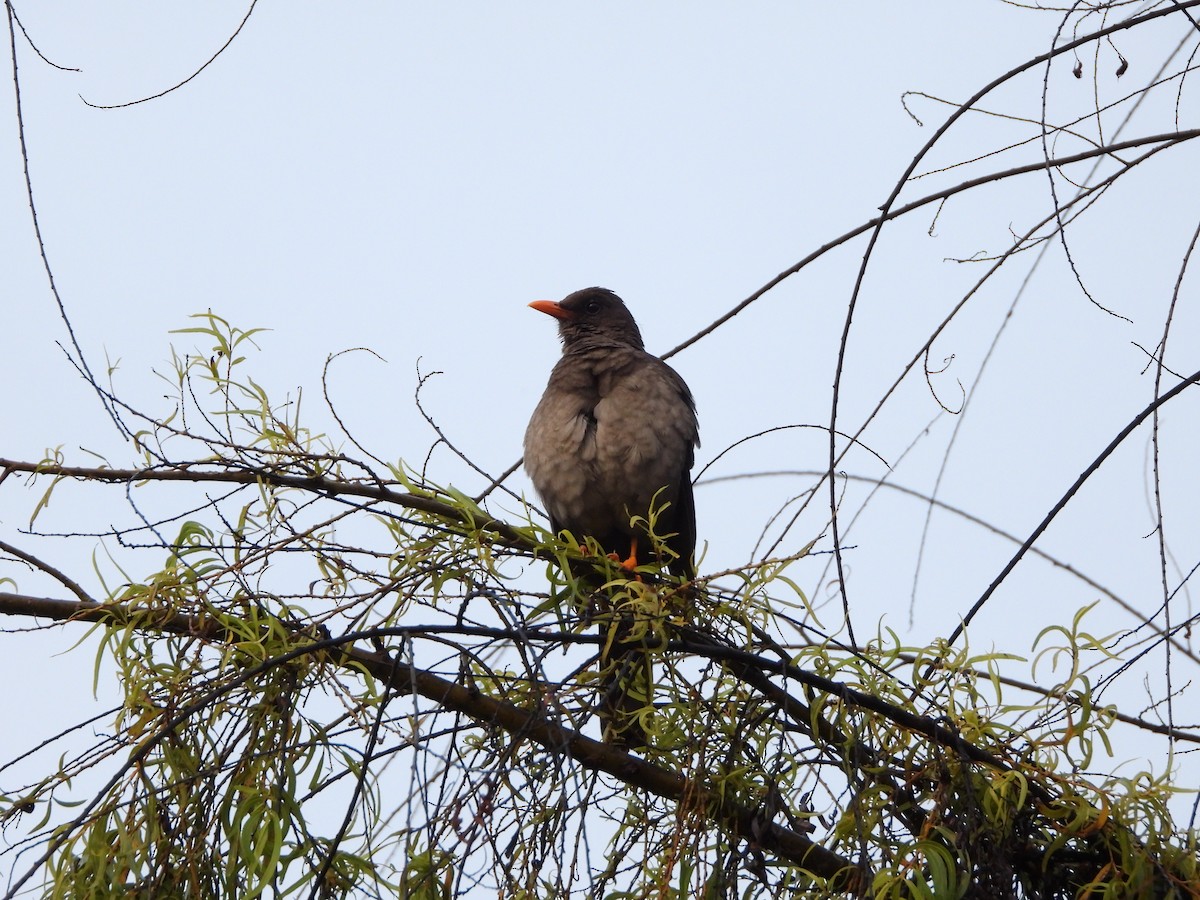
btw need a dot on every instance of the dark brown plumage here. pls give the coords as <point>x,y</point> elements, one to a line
<point>615,431</point>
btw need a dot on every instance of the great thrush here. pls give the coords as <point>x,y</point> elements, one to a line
<point>613,437</point>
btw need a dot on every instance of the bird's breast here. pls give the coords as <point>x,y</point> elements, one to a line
<point>608,439</point>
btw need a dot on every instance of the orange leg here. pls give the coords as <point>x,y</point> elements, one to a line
<point>631,562</point>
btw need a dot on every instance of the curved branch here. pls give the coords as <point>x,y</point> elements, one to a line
<point>176,87</point>
<point>1066,498</point>
<point>190,472</point>
<point>844,341</point>
<point>61,577</point>
<point>79,360</point>
<point>12,12</point>
<point>889,214</point>
<point>405,678</point>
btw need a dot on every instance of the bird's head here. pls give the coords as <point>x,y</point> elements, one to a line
<point>592,314</point>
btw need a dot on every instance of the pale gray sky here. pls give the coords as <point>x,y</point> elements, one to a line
<point>406,177</point>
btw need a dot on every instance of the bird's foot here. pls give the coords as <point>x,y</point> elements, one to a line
<point>630,564</point>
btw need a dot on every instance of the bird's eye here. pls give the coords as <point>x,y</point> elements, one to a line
<point>592,308</point>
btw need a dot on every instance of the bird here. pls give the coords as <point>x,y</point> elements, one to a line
<point>615,435</point>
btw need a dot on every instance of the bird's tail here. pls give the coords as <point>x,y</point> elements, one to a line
<point>633,627</point>
<point>626,687</point>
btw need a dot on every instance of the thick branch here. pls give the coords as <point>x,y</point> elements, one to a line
<point>523,724</point>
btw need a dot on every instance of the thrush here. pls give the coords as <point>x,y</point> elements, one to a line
<point>612,440</point>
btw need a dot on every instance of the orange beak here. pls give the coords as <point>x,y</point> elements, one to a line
<point>551,308</point>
